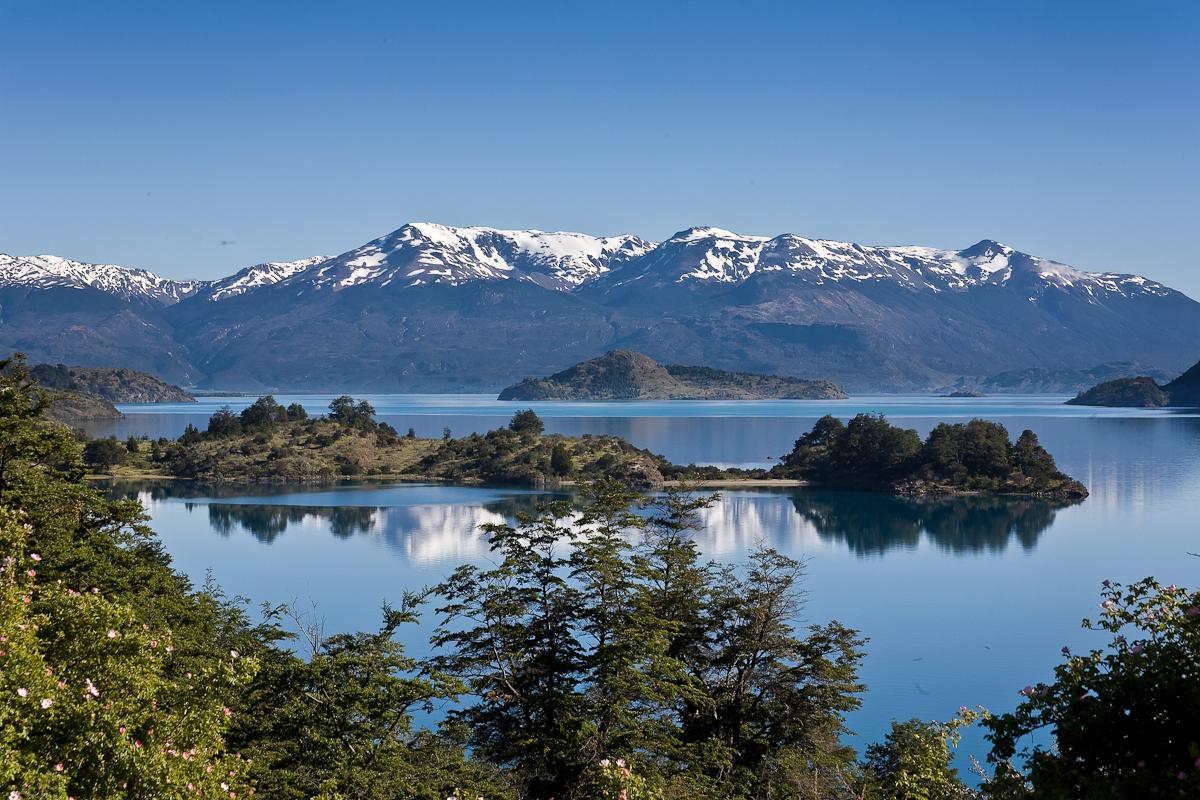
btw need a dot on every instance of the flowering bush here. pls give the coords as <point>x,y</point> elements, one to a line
<point>1125,718</point>
<point>93,703</point>
<point>613,779</point>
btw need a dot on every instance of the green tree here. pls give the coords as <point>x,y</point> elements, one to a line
<point>132,445</point>
<point>527,423</point>
<point>104,453</point>
<point>296,412</point>
<point>224,422</point>
<point>29,447</point>
<point>263,412</point>
<point>914,761</point>
<point>560,459</point>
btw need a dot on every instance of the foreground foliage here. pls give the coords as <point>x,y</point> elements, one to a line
<point>597,656</point>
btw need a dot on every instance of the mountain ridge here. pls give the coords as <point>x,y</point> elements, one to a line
<point>435,308</point>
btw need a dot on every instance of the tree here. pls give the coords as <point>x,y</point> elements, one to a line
<point>356,415</point>
<point>27,444</point>
<point>263,412</point>
<point>224,422</point>
<point>190,435</point>
<point>1123,716</point>
<point>527,423</point>
<point>914,761</point>
<point>132,445</point>
<point>560,459</point>
<point>95,704</point>
<point>104,453</point>
<point>296,412</point>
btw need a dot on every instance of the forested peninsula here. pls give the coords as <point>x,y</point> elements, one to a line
<point>268,443</point>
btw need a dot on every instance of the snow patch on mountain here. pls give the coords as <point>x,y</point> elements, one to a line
<point>48,272</point>
<point>251,278</point>
<point>423,253</point>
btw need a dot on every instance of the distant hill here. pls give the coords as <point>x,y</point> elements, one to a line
<point>1144,392</point>
<point>116,385</point>
<point>1039,380</point>
<point>626,375</point>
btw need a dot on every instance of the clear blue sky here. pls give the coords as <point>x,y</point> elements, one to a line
<point>147,134</point>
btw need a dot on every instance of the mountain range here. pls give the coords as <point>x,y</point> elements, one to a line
<point>438,308</point>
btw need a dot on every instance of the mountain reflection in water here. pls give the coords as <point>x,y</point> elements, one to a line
<point>866,524</point>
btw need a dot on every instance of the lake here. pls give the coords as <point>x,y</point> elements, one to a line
<point>964,601</point>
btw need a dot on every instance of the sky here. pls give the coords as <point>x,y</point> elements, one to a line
<point>195,138</point>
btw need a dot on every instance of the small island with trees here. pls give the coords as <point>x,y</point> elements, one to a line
<point>870,454</point>
<point>626,375</point>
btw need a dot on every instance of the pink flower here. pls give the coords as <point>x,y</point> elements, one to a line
<point>47,702</point>
<point>233,654</point>
<point>1027,691</point>
<point>58,767</point>
<point>121,729</point>
<point>22,692</point>
<point>31,573</point>
<point>228,711</point>
<point>1107,584</point>
<point>112,634</point>
<point>1137,648</point>
<point>1108,604</point>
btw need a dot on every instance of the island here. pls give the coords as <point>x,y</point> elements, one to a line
<point>870,454</point>
<point>267,443</point>
<point>83,394</point>
<point>114,384</point>
<point>1144,392</point>
<point>963,393</point>
<point>627,375</point>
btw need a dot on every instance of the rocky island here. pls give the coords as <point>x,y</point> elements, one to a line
<point>626,375</point>
<point>81,394</point>
<point>1144,392</point>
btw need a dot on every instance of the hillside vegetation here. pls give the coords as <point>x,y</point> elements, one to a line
<point>116,385</point>
<point>267,443</point>
<point>626,375</point>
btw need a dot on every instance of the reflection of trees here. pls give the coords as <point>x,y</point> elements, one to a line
<point>872,524</point>
<point>266,523</point>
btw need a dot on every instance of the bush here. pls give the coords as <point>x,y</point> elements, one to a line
<point>104,453</point>
<point>1123,717</point>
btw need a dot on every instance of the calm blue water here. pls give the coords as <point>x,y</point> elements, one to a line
<point>964,601</point>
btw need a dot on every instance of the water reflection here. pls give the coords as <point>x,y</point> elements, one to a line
<point>866,525</point>
<point>872,524</point>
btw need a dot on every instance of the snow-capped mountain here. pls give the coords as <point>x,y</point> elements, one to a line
<point>432,307</point>
<point>712,255</point>
<point>251,278</point>
<point>423,253</point>
<point>48,272</point>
